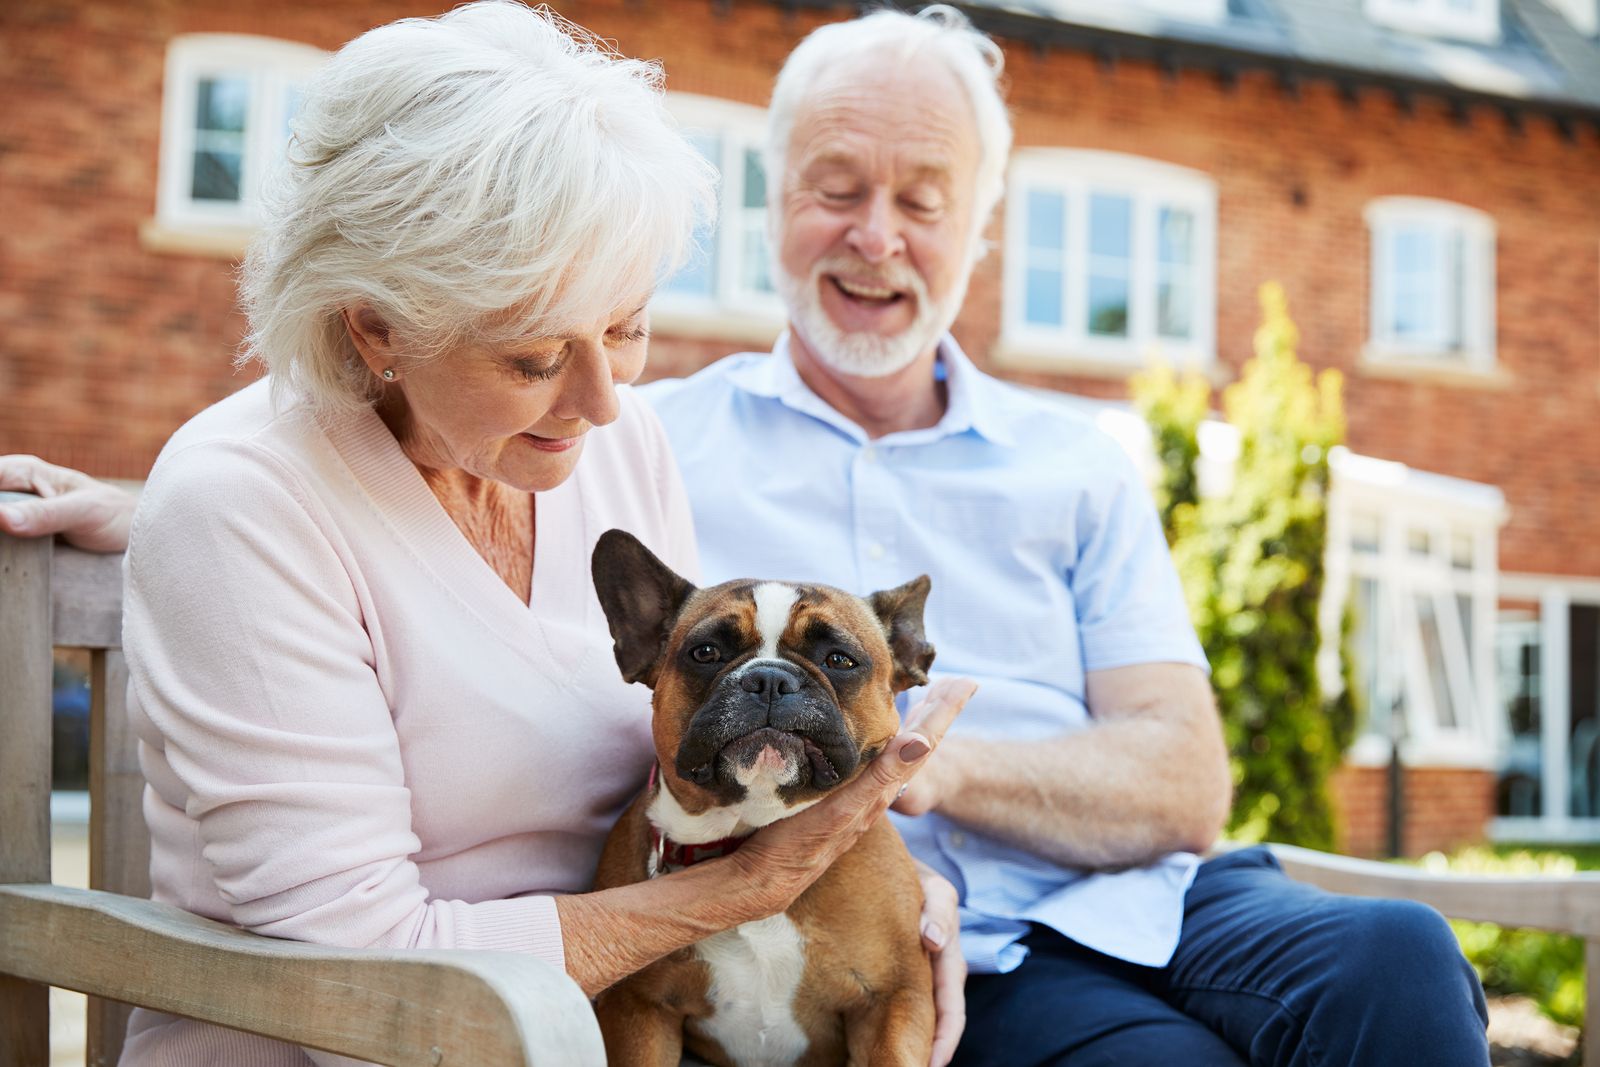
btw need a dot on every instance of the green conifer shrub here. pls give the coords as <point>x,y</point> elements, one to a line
<point>1251,562</point>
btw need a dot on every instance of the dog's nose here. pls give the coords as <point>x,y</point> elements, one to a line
<point>769,683</point>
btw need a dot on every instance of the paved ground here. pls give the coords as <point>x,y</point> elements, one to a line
<point>1522,1037</point>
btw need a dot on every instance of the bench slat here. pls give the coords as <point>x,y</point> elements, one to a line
<point>411,1009</point>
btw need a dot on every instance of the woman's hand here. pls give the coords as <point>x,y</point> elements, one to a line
<point>90,514</point>
<point>941,936</point>
<point>781,861</point>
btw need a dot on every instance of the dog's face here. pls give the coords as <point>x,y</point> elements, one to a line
<point>786,689</point>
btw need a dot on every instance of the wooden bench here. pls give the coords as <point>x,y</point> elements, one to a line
<point>478,1009</point>
<point>427,1008</point>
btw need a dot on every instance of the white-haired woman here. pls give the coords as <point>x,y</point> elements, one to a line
<point>374,687</point>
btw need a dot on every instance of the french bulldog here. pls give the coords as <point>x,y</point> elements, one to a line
<point>767,696</point>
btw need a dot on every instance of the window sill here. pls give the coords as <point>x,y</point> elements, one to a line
<point>1059,359</point>
<point>738,327</point>
<point>1444,369</point>
<point>221,242</point>
<point>1461,753</point>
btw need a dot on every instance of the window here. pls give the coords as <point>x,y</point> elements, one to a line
<point>1108,257</point>
<point>227,103</point>
<point>728,275</point>
<point>1416,554</point>
<point>1471,20</point>
<point>1433,284</point>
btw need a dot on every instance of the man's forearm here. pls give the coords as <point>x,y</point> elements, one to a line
<point>1123,792</point>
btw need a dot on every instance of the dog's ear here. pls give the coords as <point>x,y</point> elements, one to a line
<point>900,611</point>
<point>641,597</point>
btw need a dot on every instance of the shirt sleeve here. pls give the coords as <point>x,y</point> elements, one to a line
<point>249,657</point>
<point>1129,601</point>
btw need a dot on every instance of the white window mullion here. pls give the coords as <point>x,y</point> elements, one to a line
<point>1555,708</point>
<point>1143,272</point>
<point>1077,306</point>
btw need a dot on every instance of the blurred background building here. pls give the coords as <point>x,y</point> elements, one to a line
<point>1423,177</point>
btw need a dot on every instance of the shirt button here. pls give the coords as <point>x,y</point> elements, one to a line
<point>869,454</point>
<point>958,840</point>
<point>875,550</point>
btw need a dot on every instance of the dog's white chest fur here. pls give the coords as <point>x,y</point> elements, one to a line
<point>755,970</point>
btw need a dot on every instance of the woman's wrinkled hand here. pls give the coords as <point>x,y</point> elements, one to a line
<point>781,861</point>
<point>88,513</point>
<point>941,936</point>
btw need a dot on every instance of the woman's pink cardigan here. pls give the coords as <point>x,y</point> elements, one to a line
<point>354,733</point>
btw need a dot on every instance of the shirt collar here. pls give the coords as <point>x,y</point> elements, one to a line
<point>975,400</point>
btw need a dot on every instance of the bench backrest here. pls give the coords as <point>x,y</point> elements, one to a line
<point>53,596</point>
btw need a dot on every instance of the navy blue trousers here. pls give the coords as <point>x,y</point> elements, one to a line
<point>1267,971</point>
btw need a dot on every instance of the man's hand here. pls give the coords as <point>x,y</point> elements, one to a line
<point>88,513</point>
<point>941,936</point>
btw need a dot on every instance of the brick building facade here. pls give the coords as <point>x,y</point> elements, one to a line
<point>115,329</point>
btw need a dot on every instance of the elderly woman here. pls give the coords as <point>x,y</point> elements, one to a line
<point>374,686</point>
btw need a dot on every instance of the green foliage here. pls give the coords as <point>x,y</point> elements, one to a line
<point>1546,967</point>
<point>1251,561</point>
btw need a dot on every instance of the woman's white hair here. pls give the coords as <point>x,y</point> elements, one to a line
<point>491,174</point>
<point>938,30</point>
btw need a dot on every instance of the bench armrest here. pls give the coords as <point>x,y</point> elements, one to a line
<point>423,1007</point>
<point>1565,905</point>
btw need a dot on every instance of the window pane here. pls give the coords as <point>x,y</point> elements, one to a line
<point>1175,305</point>
<point>1366,639</point>
<point>1110,226</point>
<point>1365,531</point>
<point>1175,293</point>
<point>1110,245</point>
<point>1043,304</point>
<point>221,105</point>
<point>1444,708</point>
<point>753,270</point>
<point>755,180</point>
<point>1517,649</point>
<point>1108,306</point>
<point>216,176</point>
<point>1047,220</point>
<point>698,276</point>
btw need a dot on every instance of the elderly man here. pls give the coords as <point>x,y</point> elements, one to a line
<point>1068,802</point>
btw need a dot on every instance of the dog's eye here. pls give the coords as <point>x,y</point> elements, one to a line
<point>705,654</point>
<point>839,661</point>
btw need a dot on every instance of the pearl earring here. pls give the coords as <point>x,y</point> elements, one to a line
<point>388,374</point>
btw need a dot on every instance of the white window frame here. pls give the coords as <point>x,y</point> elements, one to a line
<point>1475,350</point>
<point>1556,596</point>
<point>733,310</point>
<point>1438,18</point>
<point>1151,185</point>
<point>1187,10</point>
<point>272,67</point>
<point>1404,501</point>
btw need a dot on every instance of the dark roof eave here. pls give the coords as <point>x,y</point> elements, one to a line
<point>1043,32</point>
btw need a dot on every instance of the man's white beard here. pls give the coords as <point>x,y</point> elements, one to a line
<point>866,355</point>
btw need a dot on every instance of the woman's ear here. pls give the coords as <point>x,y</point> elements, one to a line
<point>370,334</point>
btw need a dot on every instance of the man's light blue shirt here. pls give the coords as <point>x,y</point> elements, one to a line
<point>1047,561</point>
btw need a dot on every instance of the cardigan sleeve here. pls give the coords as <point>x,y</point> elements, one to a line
<point>249,657</point>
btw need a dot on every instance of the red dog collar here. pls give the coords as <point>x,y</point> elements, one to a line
<point>674,856</point>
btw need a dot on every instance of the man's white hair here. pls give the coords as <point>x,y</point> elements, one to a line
<point>491,174</point>
<point>939,31</point>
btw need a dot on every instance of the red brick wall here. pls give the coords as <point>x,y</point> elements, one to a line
<point>106,347</point>
<point>1445,807</point>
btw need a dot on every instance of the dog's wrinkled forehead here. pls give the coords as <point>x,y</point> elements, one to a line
<point>774,615</point>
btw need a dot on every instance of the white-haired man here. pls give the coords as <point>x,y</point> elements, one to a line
<point>1068,802</point>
